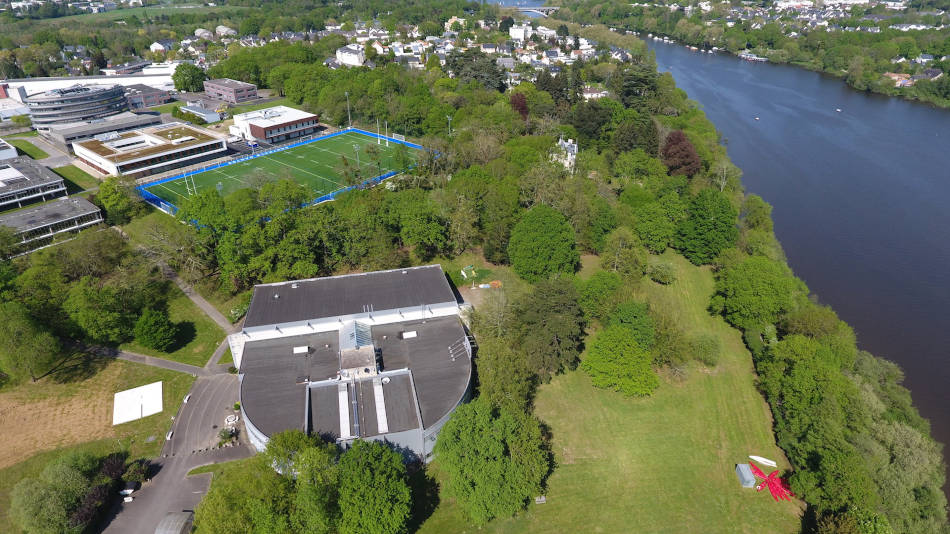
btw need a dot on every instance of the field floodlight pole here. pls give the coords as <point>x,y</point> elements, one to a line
<point>387,133</point>
<point>378,141</point>
<point>450,123</point>
<point>356,148</point>
<point>349,119</point>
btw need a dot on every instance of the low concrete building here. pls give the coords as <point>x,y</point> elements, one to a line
<point>150,150</point>
<point>274,125</point>
<point>67,134</point>
<point>230,91</point>
<point>37,226</point>
<point>22,181</point>
<point>7,150</point>
<point>143,96</point>
<point>377,356</point>
<point>205,114</point>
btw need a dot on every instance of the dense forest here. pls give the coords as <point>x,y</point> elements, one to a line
<point>860,57</point>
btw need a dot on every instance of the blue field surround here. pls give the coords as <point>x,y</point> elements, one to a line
<point>172,209</point>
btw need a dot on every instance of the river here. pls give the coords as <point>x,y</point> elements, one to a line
<point>860,201</point>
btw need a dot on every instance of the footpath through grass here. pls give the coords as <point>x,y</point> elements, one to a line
<point>72,411</point>
<point>28,148</point>
<point>76,179</point>
<point>198,335</point>
<point>664,464</point>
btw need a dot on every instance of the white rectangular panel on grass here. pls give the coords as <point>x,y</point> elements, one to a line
<point>137,403</point>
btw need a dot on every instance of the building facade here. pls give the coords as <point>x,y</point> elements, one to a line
<point>22,182</point>
<point>378,356</point>
<point>150,150</point>
<point>75,104</point>
<point>67,134</point>
<point>143,96</point>
<point>37,226</point>
<point>275,125</point>
<point>230,91</point>
<point>351,55</point>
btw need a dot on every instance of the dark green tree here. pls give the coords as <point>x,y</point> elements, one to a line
<point>155,330</point>
<point>188,77</point>
<point>542,244</point>
<point>26,349</point>
<point>495,459</point>
<point>635,316</point>
<point>374,494</point>
<point>549,325</point>
<point>709,228</point>
<point>474,65</point>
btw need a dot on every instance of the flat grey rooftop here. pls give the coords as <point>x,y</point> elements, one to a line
<point>119,121</point>
<point>440,381</point>
<point>33,175</point>
<point>274,399</point>
<point>348,294</point>
<point>41,215</point>
<point>398,399</point>
<point>270,393</point>
<point>234,84</point>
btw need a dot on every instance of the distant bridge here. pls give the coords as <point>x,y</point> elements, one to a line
<point>540,10</point>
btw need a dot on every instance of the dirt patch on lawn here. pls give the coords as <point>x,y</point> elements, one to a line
<point>35,417</point>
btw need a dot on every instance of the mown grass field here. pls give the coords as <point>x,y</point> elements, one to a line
<point>198,336</point>
<point>39,421</point>
<point>664,464</point>
<point>76,179</point>
<point>25,147</point>
<point>321,166</point>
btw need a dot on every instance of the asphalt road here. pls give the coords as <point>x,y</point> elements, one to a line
<point>195,433</point>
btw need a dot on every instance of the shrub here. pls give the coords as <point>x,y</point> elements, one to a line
<point>137,471</point>
<point>636,317</point>
<point>706,349</point>
<point>662,273</point>
<point>155,330</point>
<point>615,361</point>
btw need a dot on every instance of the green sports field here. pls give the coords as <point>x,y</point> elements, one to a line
<point>323,166</point>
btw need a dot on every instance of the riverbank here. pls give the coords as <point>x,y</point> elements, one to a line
<point>842,75</point>
<point>869,244</point>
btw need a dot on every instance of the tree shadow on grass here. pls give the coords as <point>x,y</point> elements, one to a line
<point>185,333</point>
<point>425,496</point>
<point>78,366</point>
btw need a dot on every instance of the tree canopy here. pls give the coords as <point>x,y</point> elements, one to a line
<point>495,459</point>
<point>542,244</point>
<point>616,361</point>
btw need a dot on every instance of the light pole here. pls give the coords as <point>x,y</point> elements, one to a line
<point>349,119</point>
<point>356,148</point>
<point>450,123</point>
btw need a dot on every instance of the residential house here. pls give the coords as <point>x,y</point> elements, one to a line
<point>351,55</point>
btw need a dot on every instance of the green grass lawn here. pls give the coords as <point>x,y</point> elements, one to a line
<point>261,105</point>
<point>76,179</point>
<point>198,336</point>
<point>167,108</point>
<point>47,399</point>
<point>664,464</point>
<point>31,133</point>
<point>226,358</point>
<point>28,148</point>
<point>321,166</point>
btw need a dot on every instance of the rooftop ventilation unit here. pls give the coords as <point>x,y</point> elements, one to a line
<point>108,136</point>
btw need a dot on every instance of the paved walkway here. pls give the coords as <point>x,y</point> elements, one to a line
<point>194,434</point>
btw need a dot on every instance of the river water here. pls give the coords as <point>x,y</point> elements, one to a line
<point>860,201</point>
